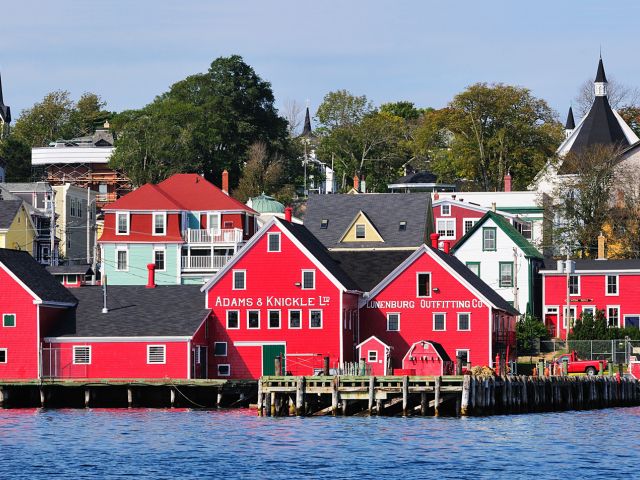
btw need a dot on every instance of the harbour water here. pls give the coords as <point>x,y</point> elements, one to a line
<point>237,444</point>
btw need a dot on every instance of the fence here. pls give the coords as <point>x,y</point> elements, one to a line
<point>616,351</point>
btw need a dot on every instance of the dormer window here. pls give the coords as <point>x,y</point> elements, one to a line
<point>122,223</point>
<point>159,224</point>
<point>402,227</point>
<point>360,230</point>
<point>324,223</point>
<point>445,210</point>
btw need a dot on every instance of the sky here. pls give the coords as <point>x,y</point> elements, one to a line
<point>129,51</point>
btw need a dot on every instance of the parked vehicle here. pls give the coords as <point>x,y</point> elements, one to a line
<point>575,365</point>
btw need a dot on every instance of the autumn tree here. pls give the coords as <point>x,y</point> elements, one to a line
<point>262,174</point>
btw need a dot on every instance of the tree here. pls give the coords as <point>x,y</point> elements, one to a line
<point>260,174</point>
<point>292,112</point>
<point>529,330</point>
<point>619,95</point>
<point>212,117</point>
<point>631,115</point>
<point>497,129</point>
<point>341,109</point>
<point>402,109</point>
<point>88,114</point>
<point>17,156</point>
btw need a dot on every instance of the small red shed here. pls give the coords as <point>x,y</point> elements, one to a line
<point>427,358</point>
<point>71,276</point>
<point>376,354</point>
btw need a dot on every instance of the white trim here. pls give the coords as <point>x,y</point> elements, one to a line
<point>257,343</point>
<point>369,359</point>
<point>226,349</point>
<point>21,283</point>
<point>114,339</point>
<point>619,315</point>
<point>6,355</point>
<point>78,347</point>
<point>557,313</point>
<point>321,321</point>
<point>474,220</point>
<point>228,365</point>
<point>210,214</point>
<point>637,315</point>
<point>592,307</point>
<point>393,313</point>
<point>625,271</point>
<point>269,327</point>
<point>117,226</point>
<point>121,249</point>
<point>15,320</point>
<point>572,275</point>
<point>188,359</point>
<point>458,329</point>
<point>606,286</point>
<point>153,223</point>
<point>372,337</point>
<point>302,279</point>
<point>442,214</point>
<point>289,319</point>
<point>433,325</point>
<point>468,350</point>
<point>429,290</point>
<point>279,237</point>
<point>227,320</point>
<point>253,328</point>
<point>153,260</point>
<point>164,354</point>
<point>469,205</point>
<point>444,236</point>
<point>565,317</point>
<point>233,279</point>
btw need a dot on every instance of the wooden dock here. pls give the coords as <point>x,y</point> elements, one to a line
<point>440,396</point>
<point>119,393</point>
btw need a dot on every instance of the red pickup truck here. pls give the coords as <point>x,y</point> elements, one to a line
<point>575,365</point>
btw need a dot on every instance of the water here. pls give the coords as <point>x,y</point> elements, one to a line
<point>237,444</point>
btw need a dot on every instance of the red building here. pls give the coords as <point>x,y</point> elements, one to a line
<point>376,354</point>
<point>427,359</point>
<point>71,276</point>
<point>432,296</point>
<point>612,286</point>
<point>282,295</point>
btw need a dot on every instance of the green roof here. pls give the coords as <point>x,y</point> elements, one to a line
<point>529,250</point>
<point>266,204</point>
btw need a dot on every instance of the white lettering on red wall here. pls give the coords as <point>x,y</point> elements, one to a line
<point>430,304</point>
<point>271,301</point>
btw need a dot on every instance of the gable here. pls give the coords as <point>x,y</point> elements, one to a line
<point>361,230</point>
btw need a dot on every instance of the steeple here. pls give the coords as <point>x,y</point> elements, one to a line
<point>570,126</point>
<point>306,130</point>
<point>600,84</point>
<point>5,111</point>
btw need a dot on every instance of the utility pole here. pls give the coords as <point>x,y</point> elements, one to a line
<point>305,168</point>
<point>52,226</point>
<point>88,228</point>
<point>516,303</point>
<point>567,314</point>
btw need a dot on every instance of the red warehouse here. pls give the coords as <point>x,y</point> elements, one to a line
<point>612,286</point>
<point>282,295</point>
<point>432,296</point>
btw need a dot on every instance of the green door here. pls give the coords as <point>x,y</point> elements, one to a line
<point>269,354</point>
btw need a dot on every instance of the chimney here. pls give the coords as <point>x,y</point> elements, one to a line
<point>507,182</point>
<point>356,183</point>
<point>225,181</point>
<point>288,213</point>
<point>436,196</point>
<point>493,206</point>
<point>446,246</point>
<point>151,278</point>
<point>601,255</point>
<point>434,240</point>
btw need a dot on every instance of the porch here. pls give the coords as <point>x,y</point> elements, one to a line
<point>210,236</point>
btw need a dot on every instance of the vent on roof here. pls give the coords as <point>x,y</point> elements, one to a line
<point>324,224</point>
<point>402,226</point>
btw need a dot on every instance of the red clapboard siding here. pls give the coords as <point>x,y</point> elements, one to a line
<point>458,213</point>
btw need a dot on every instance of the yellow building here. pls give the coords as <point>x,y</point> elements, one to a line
<point>17,231</point>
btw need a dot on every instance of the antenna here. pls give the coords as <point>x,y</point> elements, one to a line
<point>104,295</point>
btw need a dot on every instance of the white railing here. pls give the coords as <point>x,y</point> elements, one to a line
<point>202,262</point>
<point>199,235</point>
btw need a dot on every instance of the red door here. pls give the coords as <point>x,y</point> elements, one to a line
<point>551,322</point>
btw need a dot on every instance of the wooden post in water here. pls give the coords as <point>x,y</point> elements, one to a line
<point>466,387</point>
<point>405,394</point>
<point>492,394</point>
<point>87,397</point>
<point>42,397</point>
<point>267,401</point>
<point>260,398</point>
<point>172,396</point>
<point>424,403</point>
<point>525,393</point>
<point>372,393</point>
<point>1,397</point>
<point>458,365</point>
<point>325,368</point>
<point>129,397</point>
<point>300,394</point>
<point>273,404</point>
<point>334,395</point>
<point>436,407</point>
<point>472,392</point>
<point>278,365</point>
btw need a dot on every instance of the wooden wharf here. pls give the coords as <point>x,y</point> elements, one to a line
<point>440,396</point>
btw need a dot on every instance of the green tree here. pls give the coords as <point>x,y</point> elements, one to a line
<point>529,329</point>
<point>341,109</point>
<point>402,109</point>
<point>17,156</point>
<point>88,114</point>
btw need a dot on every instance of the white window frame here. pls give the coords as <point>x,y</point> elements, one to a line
<point>433,326</point>
<point>233,279</point>
<point>302,280</point>
<point>163,215</point>
<point>153,260</point>
<point>321,319</point>
<point>565,316</point>
<point>579,282</point>
<point>209,216</point>
<point>375,359</point>
<point>429,290</point>
<point>629,315</point>
<point>227,318</point>
<point>259,319</point>
<point>606,286</point>
<point>589,307</point>
<point>458,322</point>
<point>117,266</point>
<point>442,210</point>
<point>164,355</point>
<point>226,349</point>
<point>15,320</point>
<point>465,220</point>
<point>276,235</point>
<point>228,374</point>
<point>6,355</point>
<point>269,327</point>
<point>78,347</point>
<point>364,232</point>
<point>619,315</point>
<point>127,215</point>
<point>458,350</point>
<point>388,315</point>
<point>444,236</point>
<point>289,319</point>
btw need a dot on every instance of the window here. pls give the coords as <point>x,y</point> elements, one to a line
<point>273,242</point>
<point>122,221</point>
<point>315,319</point>
<point>506,274</point>
<point>574,285</point>
<point>224,370</point>
<point>360,230</point>
<point>233,319</point>
<point>81,355</point>
<point>253,319</point>
<point>469,223</point>
<point>295,319</point>
<point>122,260</point>
<point>158,260</point>
<point>446,228</point>
<point>228,225</point>
<point>220,349</point>
<point>464,321</point>
<point>439,321</point>
<point>572,316</point>
<point>612,285</point>
<point>9,320</point>
<point>3,355</point>
<point>526,230</point>
<point>463,354</point>
<point>308,279</point>
<point>489,239</point>
<point>402,226</point>
<point>613,316</point>
<point>423,281</point>
<point>72,279</point>
<point>393,322</point>
<point>589,311</point>
<point>274,318</point>
<point>445,210</point>
<point>372,355</point>
<point>324,223</point>
<point>474,267</point>
<point>156,354</point>
<point>159,223</point>
<point>239,280</point>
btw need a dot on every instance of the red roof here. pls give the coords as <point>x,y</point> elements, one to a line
<point>182,191</point>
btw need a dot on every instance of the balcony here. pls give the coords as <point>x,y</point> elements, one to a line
<point>231,236</point>
<point>204,262</point>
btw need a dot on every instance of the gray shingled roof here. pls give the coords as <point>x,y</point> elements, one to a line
<point>386,211</point>
<point>135,311</point>
<point>8,211</point>
<point>26,186</point>
<point>582,264</point>
<point>35,276</point>
<point>369,267</point>
<point>80,269</point>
